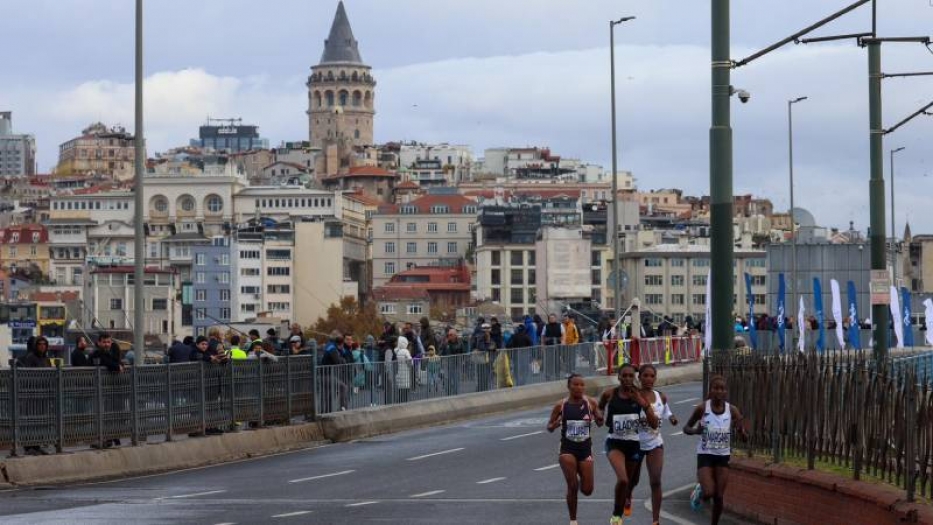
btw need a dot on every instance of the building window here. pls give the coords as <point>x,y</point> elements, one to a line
<point>432,247</point>
<point>677,262</point>
<point>496,258</point>
<point>654,298</point>
<point>496,295</point>
<point>225,259</point>
<point>215,204</point>
<point>677,298</point>
<point>200,295</point>
<point>200,314</point>
<point>701,263</point>
<point>451,227</point>
<point>224,314</point>
<point>116,304</point>
<point>699,280</point>
<point>517,277</point>
<point>698,299</point>
<point>279,255</point>
<point>654,280</point>
<point>279,288</point>
<point>224,277</point>
<point>677,280</point>
<point>199,278</point>
<point>411,247</point>
<point>759,298</point>
<point>532,261</point>
<point>390,247</point>
<point>517,258</point>
<point>199,259</point>
<point>225,296</point>
<point>411,227</point>
<point>432,227</point>
<point>596,277</point>
<point>278,271</point>
<point>33,251</point>
<point>451,247</point>
<point>518,295</point>
<point>12,251</point>
<point>387,309</point>
<point>758,280</point>
<point>160,304</point>
<point>389,268</point>
<point>415,309</point>
<point>653,263</point>
<point>390,227</point>
<point>495,277</point>
<point>187,203</point>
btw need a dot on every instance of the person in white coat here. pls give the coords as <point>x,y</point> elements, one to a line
<point>403,363</point>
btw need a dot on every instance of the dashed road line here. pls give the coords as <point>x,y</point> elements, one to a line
<point>426,494</point>
<point>196,494</point>
<point>678,433</point>
<point>690,400</point>
<point>292,514</point>
<point>322,476</point>
<point>510,438</point>
<point>668,516</point>
<point>549,467</point>
<point>361,504</point>
<point>490,480</point>
<point>431,455</point>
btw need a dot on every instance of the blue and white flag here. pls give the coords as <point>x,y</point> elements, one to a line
<point>837,312</point>
<point>818,306</point>
<point>928,313</point>
<point>908,330</point>
<point>855,332</point>
<point>896,318</point>
<point>752,333</point>
<point>801,326</point>
<point>781,311</point>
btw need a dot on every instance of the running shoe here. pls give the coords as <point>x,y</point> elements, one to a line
<point>628,509</point>
<point>696,498</point>
<point>616,520</point>
<point>574,522</point>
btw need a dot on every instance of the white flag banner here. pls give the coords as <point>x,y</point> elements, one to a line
<point>837,312</point>
<point>708,334</point>
<point>801,327</point>
<point>896,315</point>
<point>928,304</point>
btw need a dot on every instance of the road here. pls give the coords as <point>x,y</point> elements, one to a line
<point>501,469</point>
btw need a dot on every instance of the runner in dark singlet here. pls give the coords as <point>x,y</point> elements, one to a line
<point>575,417</point>
<point>625,408</point>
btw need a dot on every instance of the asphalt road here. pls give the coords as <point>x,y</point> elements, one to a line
<point>502,469</point>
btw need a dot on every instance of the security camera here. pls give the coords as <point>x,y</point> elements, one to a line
<point>743,95</point>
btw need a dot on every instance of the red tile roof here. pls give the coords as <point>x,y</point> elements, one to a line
<point>455,203</point>
<point>363,198</point>
<point>363,171</point>
<point>408,185</point>
<point>400,293</point>
<point>25,234</point>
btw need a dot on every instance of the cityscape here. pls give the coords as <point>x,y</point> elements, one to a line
<point>523,212</point>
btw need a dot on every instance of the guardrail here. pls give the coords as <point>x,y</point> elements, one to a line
<point>666,350</point>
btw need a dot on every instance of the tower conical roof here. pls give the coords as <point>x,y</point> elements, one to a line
<point>340,45</point>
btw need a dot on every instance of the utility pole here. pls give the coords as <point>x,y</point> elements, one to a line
<point>879,312</point>
<point>720,180</point>
<point>139,240</point>
<point>793,223</point>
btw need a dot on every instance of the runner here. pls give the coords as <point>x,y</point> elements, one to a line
<point>575,417</point>
<point>625,407</point>
<point>714,420</point>
<point>652,444</point>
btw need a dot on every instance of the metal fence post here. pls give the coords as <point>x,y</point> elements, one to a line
<point>262,397</point>
<point>775,377</point>
<point>314,362</point>
<point>856,427</point>
<point>14,408</point>
<point>706,365</point>
<point>288,389</point>
<point>100,407</point>
<point>60,409</point>
<point>169,404</point>
<point>203,399</point>
<point>233,421</point>
<point>134,399</point>
<point>812,363</point>
<point>910,454</point>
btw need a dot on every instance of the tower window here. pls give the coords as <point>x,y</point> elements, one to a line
<point>356,134</point>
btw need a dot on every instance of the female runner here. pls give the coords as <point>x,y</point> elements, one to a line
<point>575,416</point>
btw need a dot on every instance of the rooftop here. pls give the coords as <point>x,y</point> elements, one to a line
<point>340,46</point>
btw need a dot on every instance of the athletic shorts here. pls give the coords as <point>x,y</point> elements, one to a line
<point>630,449</point>
<point>646,451</point>
<point>581,454</point>
<point>712,461</point>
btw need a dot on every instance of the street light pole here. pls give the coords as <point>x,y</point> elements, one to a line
<point>617,279</point>
<point>793,223</point>
<point>879,312</point>
<point>139,239</point>
<point>893,231</point>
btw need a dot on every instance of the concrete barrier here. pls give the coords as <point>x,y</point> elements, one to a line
<point>94,465</point>
<point>368,422</point>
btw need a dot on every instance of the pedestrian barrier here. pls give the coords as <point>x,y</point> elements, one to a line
<point>668,350</point>
<point>69,407</point>
<point>359,385</point>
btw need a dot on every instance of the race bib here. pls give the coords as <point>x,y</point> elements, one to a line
<point>716,438</point>
<point>577,431</point>
<point>626,426</point>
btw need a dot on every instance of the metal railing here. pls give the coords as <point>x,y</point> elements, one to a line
<point>73,407</point>
<point>838,409</point>
<point>769,340</point>
<point>665,350</point>
<point>379,382</point>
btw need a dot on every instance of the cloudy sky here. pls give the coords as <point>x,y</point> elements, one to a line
<point>492,73</point>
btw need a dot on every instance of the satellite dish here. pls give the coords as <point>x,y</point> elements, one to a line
<point>611,280</point>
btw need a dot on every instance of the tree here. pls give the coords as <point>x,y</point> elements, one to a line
<point>350,318</point>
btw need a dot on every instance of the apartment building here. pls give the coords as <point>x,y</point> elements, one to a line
<point>212,285</point>
<point>99,149</point>
<point>110,304</point>
<point>435,226</point>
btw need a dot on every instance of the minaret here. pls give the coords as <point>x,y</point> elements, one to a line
<point>341,91</point>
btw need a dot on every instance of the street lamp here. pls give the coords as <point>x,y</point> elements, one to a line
<point>893,231</point>
<point>139,238</point>
<point>616,284</point>
<point>793,223</point>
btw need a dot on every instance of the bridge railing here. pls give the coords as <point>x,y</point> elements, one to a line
<point>667,350</point>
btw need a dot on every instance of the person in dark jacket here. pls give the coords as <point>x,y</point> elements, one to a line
<point>37,356</point>
<point>180,352</point>
<point>330,377</point>
<point>202,352</point>
<point>80,355</point>
<point>107,355</point>
<point>521,355</point>
<point>496,332</point>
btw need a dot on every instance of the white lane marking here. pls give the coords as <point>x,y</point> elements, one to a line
<point>510,438</point>
<point>678,433</point>
<point>549,467</point>
<point>292,514</point>
<point>490,480</point>
<point>322,476</point>
<point>668,516</point>
<point>362,503</point>
<point>692,399</point>
<point>196,494</point>
<point>431,455</point>
<point>226,523</point>
<point>426,494</point>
